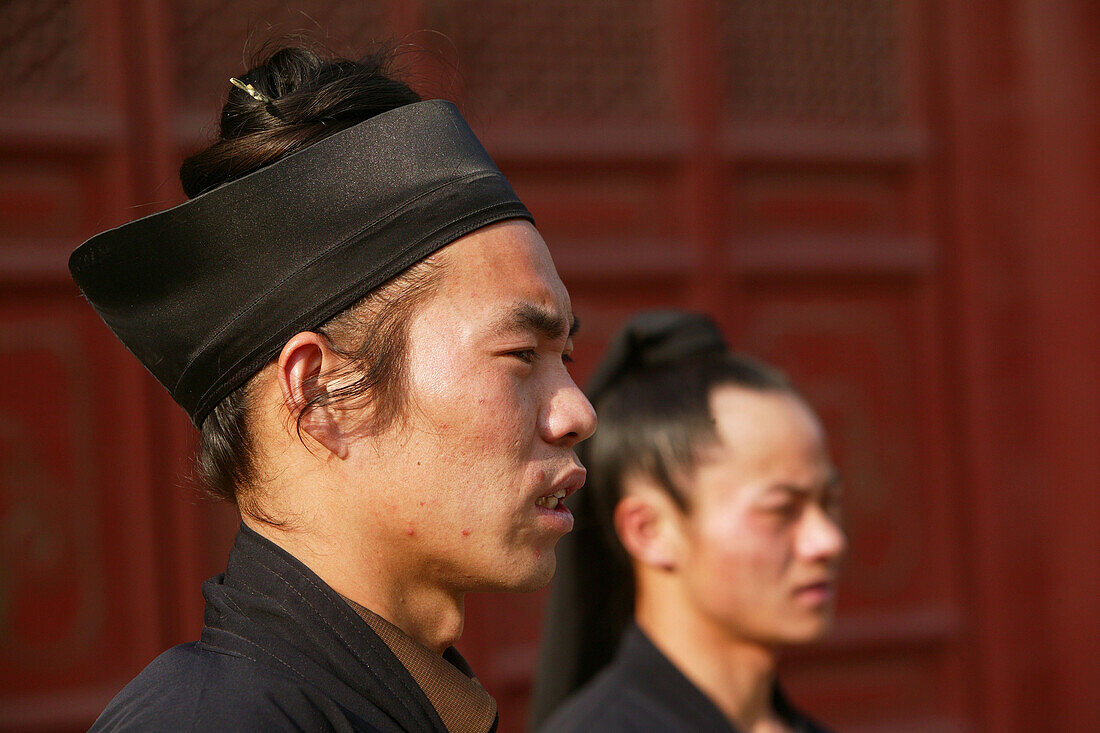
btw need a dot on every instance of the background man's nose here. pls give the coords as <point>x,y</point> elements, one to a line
<point>820,536</point>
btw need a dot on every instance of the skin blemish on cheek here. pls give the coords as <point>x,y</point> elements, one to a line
<point>410,530</point>
<point>465,531</point>
<point>538,553</point>
<point>422,503</point>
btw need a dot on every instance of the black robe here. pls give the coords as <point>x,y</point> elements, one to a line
<point>280,650</point>
<point>641,691</point>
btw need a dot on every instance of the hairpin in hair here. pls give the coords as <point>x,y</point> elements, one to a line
<point>250,90</point>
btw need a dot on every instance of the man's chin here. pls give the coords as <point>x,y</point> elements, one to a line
<point>524,579</point>
<point>808,631</point>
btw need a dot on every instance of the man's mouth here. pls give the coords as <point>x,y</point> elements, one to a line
<point>563,487</point>
<point>551,501</point>
<point>817,593</point>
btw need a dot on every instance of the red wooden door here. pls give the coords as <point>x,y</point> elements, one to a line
<point>772,164</point>
<point>80,602</point>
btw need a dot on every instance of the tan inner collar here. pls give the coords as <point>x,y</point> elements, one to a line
<point>461,701</point>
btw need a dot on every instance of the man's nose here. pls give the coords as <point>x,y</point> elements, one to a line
<point>568,417</point>
<point>820,537</point>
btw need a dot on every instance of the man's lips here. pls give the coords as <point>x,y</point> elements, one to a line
<point>818,592</point>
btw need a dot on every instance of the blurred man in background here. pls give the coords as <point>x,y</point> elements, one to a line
<point>708,539</point>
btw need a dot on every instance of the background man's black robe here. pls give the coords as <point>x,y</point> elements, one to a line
<point>280,650</point>
<point>641,691</point>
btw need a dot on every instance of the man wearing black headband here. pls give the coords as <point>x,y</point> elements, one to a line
<point>356,311</point>
<point>706,540</point>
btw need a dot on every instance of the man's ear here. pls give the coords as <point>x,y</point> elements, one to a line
<point>649,526</point>
<point>305,366</point>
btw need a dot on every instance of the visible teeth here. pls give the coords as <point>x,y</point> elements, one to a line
<point>560,493</point>
<point>550,502</point>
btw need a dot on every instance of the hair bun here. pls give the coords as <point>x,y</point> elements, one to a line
<point>312,97</point>
<point>652,338</point>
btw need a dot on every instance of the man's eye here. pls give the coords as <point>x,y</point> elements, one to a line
<point>786,511</point>
<point>567,358</point>
<point>527,356</point>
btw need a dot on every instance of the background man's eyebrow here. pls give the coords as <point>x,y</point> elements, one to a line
<point>831,483</point>
<point>528,317</point>
<point>789,489</point>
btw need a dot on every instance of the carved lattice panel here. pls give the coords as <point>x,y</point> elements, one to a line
<point>812,60</point>
<point>854,361</point>
<point>821,201</point>
<point>52,608</point>
<point>218,38</point>
<point>78,610</point>
<point>43,45</point>
<point>619,205</point>
<point>39,198</point>
<point>558,59</point>
<point>855,351</point>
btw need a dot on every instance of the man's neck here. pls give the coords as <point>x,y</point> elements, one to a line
<point>737,676</point>
<point>431,615</point>
<point>433,618</point>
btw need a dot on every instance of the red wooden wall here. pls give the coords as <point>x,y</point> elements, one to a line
<point>893,199</point>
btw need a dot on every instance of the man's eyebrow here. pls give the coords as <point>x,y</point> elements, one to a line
<point>789,489</point>
<point>832,482</point>
<point>543,321</point>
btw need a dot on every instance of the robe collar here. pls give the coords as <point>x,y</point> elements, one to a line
<point>271,608</point>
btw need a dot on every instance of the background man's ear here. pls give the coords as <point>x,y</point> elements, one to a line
<point>650,527</point>
<point>304,366</point>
